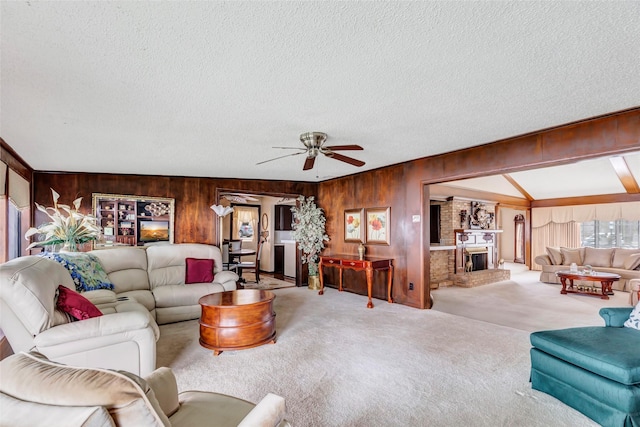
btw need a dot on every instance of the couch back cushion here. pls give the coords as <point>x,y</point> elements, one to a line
<point>620,256</point>
<point>126,268</point>
<point>555,255</point>
<point>28,285</point>
<point>598,257</point>
<point>571,255</point>
<point>127,397</point>
<point>166,263</point>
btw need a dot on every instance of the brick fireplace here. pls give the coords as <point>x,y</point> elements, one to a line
<point>459,243</point>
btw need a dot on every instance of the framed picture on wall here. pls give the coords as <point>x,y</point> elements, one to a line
<point>353,229</point>
<point>378,225</point>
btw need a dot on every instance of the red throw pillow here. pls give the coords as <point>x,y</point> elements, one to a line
<point>75,304</point>
<point>198,270</point>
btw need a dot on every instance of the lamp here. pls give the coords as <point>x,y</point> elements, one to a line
<point>221,211</point>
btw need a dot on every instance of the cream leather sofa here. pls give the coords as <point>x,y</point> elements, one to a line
<point>37,392</point>
<point>149,289</point>
<point>625,262</point>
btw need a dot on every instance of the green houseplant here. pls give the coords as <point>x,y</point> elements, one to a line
<point>309,231</point>
<point>69,230</point>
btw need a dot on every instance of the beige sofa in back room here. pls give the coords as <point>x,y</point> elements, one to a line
<point>625,262</point>
<point>149,288</point>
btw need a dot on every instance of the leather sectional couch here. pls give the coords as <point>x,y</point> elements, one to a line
<point>149,289</point>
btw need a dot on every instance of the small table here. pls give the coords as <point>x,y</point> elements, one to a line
<point>368,264</point>
<point>237,320</point>
<point>233,255</point>
<point>605,279</point>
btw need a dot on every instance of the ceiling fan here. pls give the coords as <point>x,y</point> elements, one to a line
<point>314,145</point>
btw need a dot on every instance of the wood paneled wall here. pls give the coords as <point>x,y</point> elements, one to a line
<point>405,188</point>
<point>194,219</point>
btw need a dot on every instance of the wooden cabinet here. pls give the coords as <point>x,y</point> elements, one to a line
<point>278,268</point>
<point>134,221</point>
<point>284,218</point>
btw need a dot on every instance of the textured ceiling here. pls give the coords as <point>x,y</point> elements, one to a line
<point>207,88</point>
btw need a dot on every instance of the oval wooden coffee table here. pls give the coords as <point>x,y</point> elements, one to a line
<point>236,320</point>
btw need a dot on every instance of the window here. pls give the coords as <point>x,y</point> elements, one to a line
<point>245,222</point>
<point>610,234</point>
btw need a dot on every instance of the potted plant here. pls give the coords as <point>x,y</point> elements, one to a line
<point>68,230</point>
<point>309,231</point>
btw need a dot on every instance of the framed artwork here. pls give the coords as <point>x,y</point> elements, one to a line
<point>378,225</point>
<point>353,225</point>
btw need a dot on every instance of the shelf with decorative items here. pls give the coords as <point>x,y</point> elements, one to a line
<point>134,220</point>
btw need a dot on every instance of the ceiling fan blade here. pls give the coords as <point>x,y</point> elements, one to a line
<point>308,164</point>
<point>343,147</point>
<point>350,160</point>
<point>281,157</point>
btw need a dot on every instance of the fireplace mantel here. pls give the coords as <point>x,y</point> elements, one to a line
<point>475,238</point>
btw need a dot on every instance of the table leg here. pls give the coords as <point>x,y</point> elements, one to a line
<point>369,272</point>
<point>563,280</point>
<point>606,288</point>
<point>321,292</point>
<point>389,281</point>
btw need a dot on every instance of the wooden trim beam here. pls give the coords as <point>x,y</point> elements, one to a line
<point>624,174</point>
<point>518,187</point>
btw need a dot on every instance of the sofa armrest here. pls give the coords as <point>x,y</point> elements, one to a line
<point>222,277</point>
<point>543,260</point>
<point>165,387</point>
<point>269,412</point>
<point>109,324</point>
<point>615,316</point>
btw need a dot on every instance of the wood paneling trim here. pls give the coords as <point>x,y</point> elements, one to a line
<point>586,200</point>
<point>14,161</point>
<point>518,187</point>
<point>624,174</point>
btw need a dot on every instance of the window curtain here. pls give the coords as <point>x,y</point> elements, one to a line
<point>18,190</point>
<point>248,215</point>
<point>553,234</point>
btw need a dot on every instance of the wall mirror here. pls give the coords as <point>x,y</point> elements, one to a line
<point>134,220</point>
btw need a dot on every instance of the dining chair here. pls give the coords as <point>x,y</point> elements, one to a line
<point>226,261</point>
<point>236,245</point>
<point>253,265</point>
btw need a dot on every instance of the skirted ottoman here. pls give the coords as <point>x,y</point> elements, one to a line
<point>595,370</point>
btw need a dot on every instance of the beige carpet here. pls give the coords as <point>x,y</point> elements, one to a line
<point>340,364</point>
<point>266,282</point>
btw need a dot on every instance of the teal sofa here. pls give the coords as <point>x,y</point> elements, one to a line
<point>595,369</point>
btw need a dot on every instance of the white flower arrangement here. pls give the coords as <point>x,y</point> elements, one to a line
<point>309,231</point>
<point>71,230</point>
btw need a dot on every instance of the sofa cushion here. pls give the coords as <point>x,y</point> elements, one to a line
<point>127,397</point>
<point>632,262</point>
<point>166,263</point>
<point>570,256</point>
<point>85,270</point>
<point>126,267</point>
<point>634,318</point>
<point>613,353</point>
<point>555,255</point>
<point>620,255</point>
<point>181,295</point>
<point>198,270</point>
<point>75,304</point>
<point>598,257</point>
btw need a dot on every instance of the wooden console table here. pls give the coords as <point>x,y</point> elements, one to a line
<point>368,264</point>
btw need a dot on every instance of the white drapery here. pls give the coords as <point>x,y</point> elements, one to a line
<point>246,215</point>
<point>585,213</point>
<point>560,225</point>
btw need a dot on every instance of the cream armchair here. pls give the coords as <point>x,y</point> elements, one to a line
<point>37,392</point>
<point>123,338</point>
